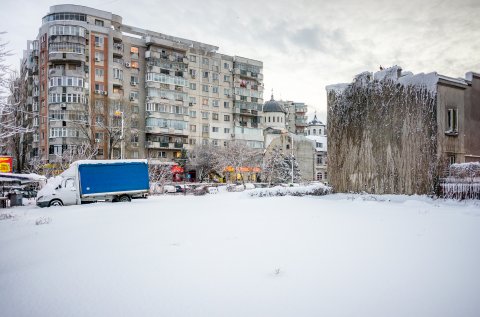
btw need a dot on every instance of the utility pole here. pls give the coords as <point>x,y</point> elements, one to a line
<point>120,113</point>
<point>292,158</point>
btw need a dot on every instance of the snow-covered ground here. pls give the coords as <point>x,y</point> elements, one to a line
<point>233,255</point>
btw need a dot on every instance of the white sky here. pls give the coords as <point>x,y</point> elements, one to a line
<point>304,44</point>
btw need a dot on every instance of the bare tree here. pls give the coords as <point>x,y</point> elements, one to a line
<point>12,100</point>
<point>112,127</point>
<point>84,151</point>
<point>159,174</point>
<point>203,158</point>
<point>236,156</point>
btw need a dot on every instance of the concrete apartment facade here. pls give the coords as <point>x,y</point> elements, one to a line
<point>89,72</point>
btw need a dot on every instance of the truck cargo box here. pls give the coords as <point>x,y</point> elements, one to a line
<point>113,177</point>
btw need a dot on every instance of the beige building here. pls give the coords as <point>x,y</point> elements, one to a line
<point>90,73</point>
<point>316,131</point>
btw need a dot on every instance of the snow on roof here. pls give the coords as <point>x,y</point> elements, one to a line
<point>80,162</point>
<point>395,74</point>
<point>336,88</point>
<point>23,178</point>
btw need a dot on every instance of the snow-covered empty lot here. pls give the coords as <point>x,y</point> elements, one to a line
<point>232,255</point>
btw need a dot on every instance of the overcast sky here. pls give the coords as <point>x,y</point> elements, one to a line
<point>304,44</point>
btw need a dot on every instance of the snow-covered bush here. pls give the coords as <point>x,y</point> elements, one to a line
<point>43,221</point>
<point>6,216</point>
<point>309,190</point>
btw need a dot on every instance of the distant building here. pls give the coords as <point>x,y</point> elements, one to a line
<point>395,132</point>
<point>317,132</point>
<point>276,134</point>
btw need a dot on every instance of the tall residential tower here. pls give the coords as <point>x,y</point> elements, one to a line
<point>96,79</point>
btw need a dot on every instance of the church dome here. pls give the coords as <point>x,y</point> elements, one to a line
<point>315,121</point>
<point>273,106</point>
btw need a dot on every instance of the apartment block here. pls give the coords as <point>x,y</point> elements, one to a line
<point>129,90</point>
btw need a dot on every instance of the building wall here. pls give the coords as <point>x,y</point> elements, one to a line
<point>472,118</point>
<point>451,144</point>
<point>303,150</point>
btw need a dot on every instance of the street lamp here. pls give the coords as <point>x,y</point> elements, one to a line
<point>120,113</point>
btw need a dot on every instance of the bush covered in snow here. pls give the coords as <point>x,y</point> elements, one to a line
<point>309,190</point>
<point>43,221</point>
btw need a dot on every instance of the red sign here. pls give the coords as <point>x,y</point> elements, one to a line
<point>6,164</point>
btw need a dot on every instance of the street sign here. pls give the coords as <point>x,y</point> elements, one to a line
<point>6,164</point>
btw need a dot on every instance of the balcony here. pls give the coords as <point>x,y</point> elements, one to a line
<point>117,49</point>
<point>63,57</point>
<point>301,123</point>
<point>165,131</point>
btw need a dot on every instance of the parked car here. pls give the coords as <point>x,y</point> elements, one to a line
<point>169,189</point>
<point>200,191</point>
<point>182,188</point>
<point>212,190</point>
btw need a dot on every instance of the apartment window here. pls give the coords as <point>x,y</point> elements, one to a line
<point>117,73</point>
<point>205,61</point>
<point>193,58</point>
<point>226,66</point>
<point>215,89</point>
<point>98,56</point>
<point>193,113</point>
<point>192,100</point>
<point>99,72</point>
<point>134,138</point>
<point>319,160</point>
<point>226,117</point>
<point>99,86</point>
<point>205,88</point>
<point>214,129</point>
<point>214,76</point>
<point>452,120</point>
<point>204,141</point>
<point>134,95</point>
<point>226,78</point>
<point>134,53</point>
<point>205,128</point>
<point>215,142</point>
<point>134,79</point>
<point>205,74</point>
<point>204,115</point>
<point>205,101</point>
<point>99,22</point>
<point>226,130</point>
<point>135,109</point>
<point>451,159</point>
<point>99,41</point>
<point>319,176</point>
<point>215,116</point>
<point>226,92</point>
<point>193,128</point>
<point>226,104</point>
<point>215,103</point>
<point>134,124</point>
<point>99,119</point>
<point>193,86</point>
<point>192,72</point>
<point>135,154</point>
<point>192,141</point>
<point>320,145</point>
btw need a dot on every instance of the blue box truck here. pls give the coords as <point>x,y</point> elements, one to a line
<point>93,180</point>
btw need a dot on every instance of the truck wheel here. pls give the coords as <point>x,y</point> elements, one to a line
<point>55,202</point>
<point>124,198</point>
